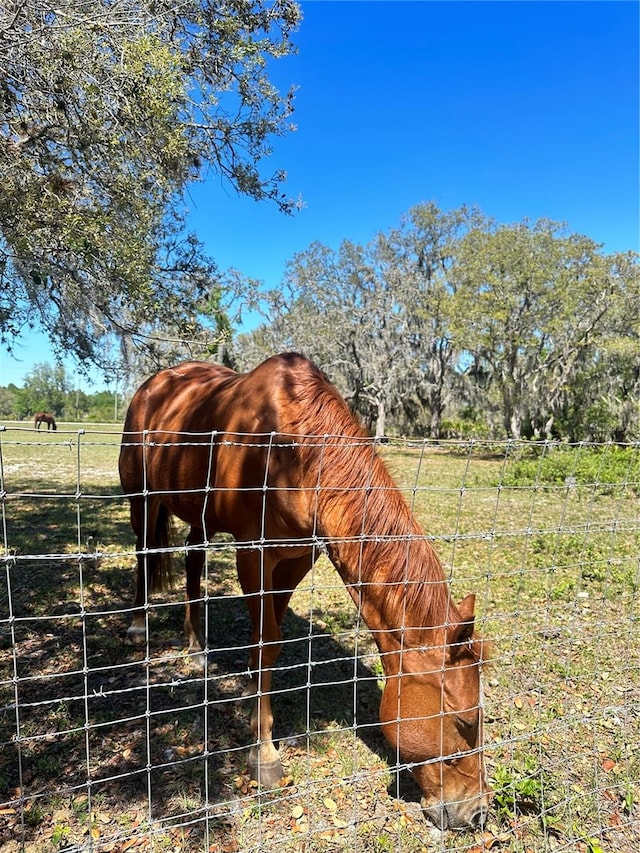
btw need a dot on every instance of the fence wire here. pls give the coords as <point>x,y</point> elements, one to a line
<point>110,746</point>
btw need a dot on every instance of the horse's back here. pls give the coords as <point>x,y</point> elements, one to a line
<point>206,427</point>
<point>198,396</point>
<point>164,410</point>
<point>172,398</point>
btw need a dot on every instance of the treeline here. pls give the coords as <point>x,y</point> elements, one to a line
<point>48,388</point>
<point>452,325</point>
<point>449,325</point>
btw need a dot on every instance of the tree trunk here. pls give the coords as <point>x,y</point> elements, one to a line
<point>515,424</point>
<point>435,421</point>
<point>381,421</point>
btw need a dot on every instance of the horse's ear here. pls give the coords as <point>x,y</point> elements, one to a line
<point>467,607</point>
<point>461,633</point>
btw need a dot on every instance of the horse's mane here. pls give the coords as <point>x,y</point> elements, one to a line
<point>346,465</point>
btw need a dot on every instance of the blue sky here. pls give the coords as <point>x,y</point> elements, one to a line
<point>527,109</point>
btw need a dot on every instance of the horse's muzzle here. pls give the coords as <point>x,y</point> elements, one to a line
<point>468,814</point>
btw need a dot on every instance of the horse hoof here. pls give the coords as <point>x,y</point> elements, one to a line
<point>267,774</point>
<point>197,660</point>
<point>135,636</point>
<point>249,690</point>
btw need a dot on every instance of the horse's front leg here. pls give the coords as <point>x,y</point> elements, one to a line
<point>264,760</point>
<point>255,577</point>
<point>194,565</point>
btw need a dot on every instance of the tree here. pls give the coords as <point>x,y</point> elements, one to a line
<point>8,401</point>
<point>108,111</point>
<point>592,379</point>
<point>377,318</point>
<point>422,251</point>
<point>504,281</point>
<point>537,309</point>
<point>338,308</point>
<point>45,389</point>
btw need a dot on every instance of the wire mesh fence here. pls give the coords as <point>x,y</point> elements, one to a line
<point>108,745</point>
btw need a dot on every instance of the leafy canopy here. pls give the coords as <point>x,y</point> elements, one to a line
<point>107,111</point>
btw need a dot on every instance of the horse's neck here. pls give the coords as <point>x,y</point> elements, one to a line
<point>396,583</point>
<point>390,569</point>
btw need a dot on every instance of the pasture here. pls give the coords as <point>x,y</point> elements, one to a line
<point>111,747</point>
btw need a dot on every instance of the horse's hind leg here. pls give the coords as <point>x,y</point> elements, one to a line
<point>137,630</point>
<point>144,513</point>
<point>194,565</point>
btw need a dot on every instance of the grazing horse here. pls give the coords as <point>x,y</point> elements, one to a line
<point>45,418</point>
<point>275,457</point>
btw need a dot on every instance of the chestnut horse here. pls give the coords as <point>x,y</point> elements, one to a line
<point>275,458</point>
<point>44,418</point>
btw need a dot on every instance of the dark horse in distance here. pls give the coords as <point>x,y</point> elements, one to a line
<point>275,458</point>
<point>44,418</point>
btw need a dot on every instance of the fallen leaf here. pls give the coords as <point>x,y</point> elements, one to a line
<point>608,764</point>
<point>330,804</point>
<point>297,812</point>
<point>490,840</point>
<point>132,842</point>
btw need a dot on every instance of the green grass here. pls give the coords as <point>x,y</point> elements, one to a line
<point>555,569</point>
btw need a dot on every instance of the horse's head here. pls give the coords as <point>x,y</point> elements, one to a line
<point>431,712</point>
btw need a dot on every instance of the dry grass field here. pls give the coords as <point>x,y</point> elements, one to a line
<point>110,747</point>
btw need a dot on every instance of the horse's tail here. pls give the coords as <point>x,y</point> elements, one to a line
<point>161,574</point>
